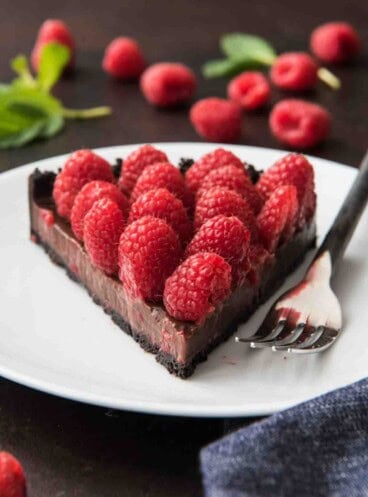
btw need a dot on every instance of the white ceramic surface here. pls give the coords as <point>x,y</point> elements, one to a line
<point>55,339</point>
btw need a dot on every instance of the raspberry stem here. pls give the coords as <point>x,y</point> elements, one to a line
<point>329,78</point>
<point>86,113</point>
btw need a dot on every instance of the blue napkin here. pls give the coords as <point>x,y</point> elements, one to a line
<point>316,449</point>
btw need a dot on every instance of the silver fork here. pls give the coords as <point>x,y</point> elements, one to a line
<point>308,317</point>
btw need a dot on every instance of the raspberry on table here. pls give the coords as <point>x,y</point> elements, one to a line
<point>225,236</point>
<point>135,163</point>
<point>12,479</point>
<point>166,84</point>
<point>299,124</point>
<point>294,71</point>
<point>92,191</point>
<point>335,42</point>
<point>251,90</point>
<point>53,30</point>
<point>80,168</point>
<point>161,175</point>
<point>149,251</point>
<point>277,219</point>
<point>123,59</point>
<point>217,119</point>
<point>163,204</point>
<point>103,226</point>
<point>221,201</point>
<point>198,171</point>
<point>292,169</point>
<point>236,179</point>
<point>195,288</point>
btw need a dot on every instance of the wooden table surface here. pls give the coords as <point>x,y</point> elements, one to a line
<point>74,450</point>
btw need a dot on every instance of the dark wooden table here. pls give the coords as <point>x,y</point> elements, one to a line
<point>69,449</point>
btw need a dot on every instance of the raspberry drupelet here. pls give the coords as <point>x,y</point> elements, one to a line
<point>200,283</point>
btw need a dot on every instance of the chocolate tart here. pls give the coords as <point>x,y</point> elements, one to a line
<point>179,346</point>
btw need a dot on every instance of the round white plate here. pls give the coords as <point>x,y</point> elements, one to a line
<point>55,339</point>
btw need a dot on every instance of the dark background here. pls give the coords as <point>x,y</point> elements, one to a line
<point>74,450</point>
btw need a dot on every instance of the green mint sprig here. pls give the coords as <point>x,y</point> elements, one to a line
<point>246,52</point>
<point>28,110</point>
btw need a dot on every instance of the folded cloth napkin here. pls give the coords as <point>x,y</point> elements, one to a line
<point>318,448</point>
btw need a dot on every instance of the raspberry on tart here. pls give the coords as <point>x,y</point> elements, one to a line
<point>135,163</point>
<point>163,204</point>
<point>80,168</point>
<point>149,251</point>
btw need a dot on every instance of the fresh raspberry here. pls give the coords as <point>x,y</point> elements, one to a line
<point>149,251</point>
<point>225,236</point>
<point>167,84</point>
<point>123,59</point>
<point>294,71</point>
<point>53,30</point>
<point>236,179</point>
<point>335,42</point>
<point>163,204</point>
<point>92,191</point>
<point>103,226</point>
<point>195,288</point>
<point>220,201</point>
<point>80,168</point>
<point>198,171</point>
<point>250,90</point>
<point>161,175</point>
<point>292,169</point>
<point>135,163</point>
<point>299,124</point>
<point>217,119</point>
<point>277,219</point>
<point>12,479</point>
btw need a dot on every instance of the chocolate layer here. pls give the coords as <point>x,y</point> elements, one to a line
<point>179,346</point>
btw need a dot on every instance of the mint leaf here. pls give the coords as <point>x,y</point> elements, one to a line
<point>19,137</point>
<point>244,46</point>
<point>20,65</point>
<point>26,114</point>
<point>54,58</point>
<point>228,67</point>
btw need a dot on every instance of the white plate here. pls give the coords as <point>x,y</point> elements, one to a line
<point>53,338</point>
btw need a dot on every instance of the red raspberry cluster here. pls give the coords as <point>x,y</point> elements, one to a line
<point>141,227</point>
<point>294,122</point>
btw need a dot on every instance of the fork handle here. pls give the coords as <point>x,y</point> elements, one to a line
<point>340,233</point>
